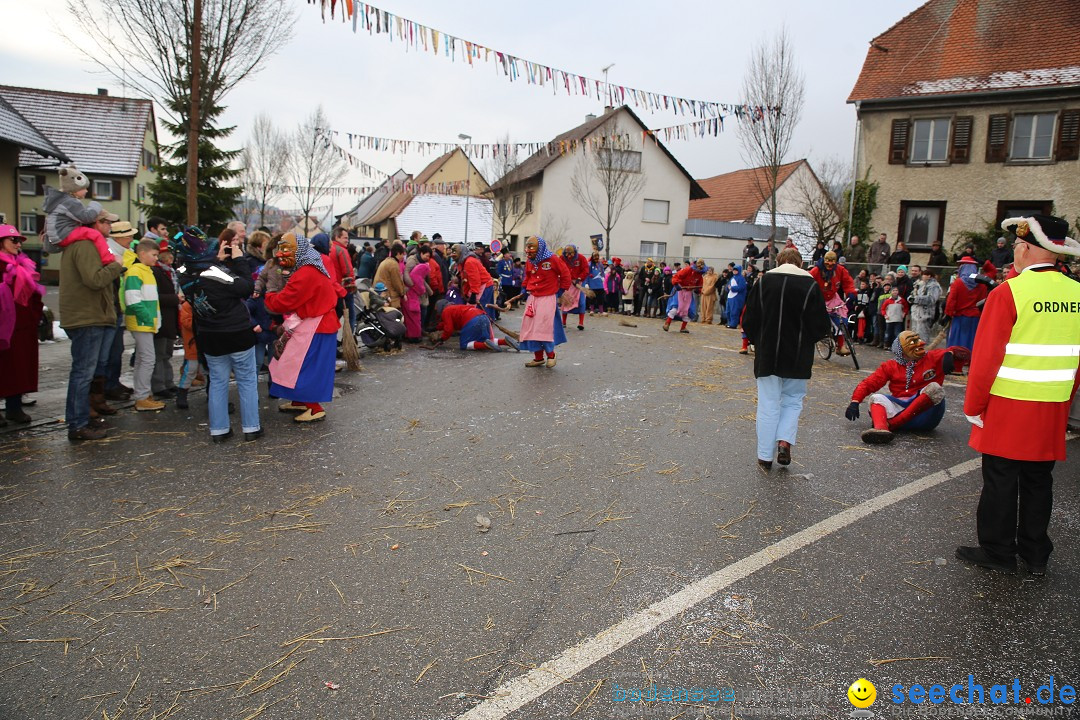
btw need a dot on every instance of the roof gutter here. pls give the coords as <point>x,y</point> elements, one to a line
<point>986,97</point>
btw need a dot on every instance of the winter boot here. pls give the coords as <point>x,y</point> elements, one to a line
<point>181,398</point>
<point>97,397</point>
<point>880,433</point>
<point>745,347</point>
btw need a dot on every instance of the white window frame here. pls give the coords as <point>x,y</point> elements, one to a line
<point>660,209</point>
<point>28,229</point>
<point>1037,119</point>
<point>653,250</point>
<point>107,195</point>
<point>33,184</point>
<point>934,122</point>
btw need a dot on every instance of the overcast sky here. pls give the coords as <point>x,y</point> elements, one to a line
<point>686,48</point>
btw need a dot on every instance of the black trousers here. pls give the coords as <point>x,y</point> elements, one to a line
<point>1014,508</point>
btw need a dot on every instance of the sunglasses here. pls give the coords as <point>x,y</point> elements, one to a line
<point>15,239</point>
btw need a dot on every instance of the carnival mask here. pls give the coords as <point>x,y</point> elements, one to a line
<point>285,252</point>
<point>532,247</point>
<point>913,346</point>
<point>830,260</point>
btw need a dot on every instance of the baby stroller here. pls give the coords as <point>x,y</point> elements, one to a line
<point>377,324</point>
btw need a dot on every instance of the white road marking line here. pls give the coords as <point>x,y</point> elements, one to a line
<point>616,332</point>
<point>520,691</point>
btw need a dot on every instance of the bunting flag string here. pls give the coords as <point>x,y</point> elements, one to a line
<point>422,38</point>
<point>709,127</point>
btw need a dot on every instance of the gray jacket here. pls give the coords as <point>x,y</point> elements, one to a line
<point>65,213</point>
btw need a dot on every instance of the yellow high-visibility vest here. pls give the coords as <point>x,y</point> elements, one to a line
<point>1043,353</point>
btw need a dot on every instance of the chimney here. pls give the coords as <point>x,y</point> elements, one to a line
<point>589,117</point>
<point>608,108</point>
<point>102,91</point>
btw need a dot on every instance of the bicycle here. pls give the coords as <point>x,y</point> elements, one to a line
<point>827,345</point>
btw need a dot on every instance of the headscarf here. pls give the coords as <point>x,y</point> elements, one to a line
<point>542,252</point>
<point>967,273</point>
<point>570,247</point>
<point>308,255</point>
<point>907,363</point>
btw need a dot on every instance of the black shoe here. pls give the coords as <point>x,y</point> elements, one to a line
<point>250,436</point>
<point>685,331</point>
<point>1036,570</point>
<point>783,454</point>
<point>86,433</point>
<point>976,555</point>
<point>18,417</point>
<point>181,399</point>
<point>117,394</point>
<point>764,465</point>
<point>222,438</point>
<point>164,394</point>
<point>580,327</point>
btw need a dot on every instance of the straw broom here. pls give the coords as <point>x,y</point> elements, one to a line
<point>348,344</point>
<point>504,308</point>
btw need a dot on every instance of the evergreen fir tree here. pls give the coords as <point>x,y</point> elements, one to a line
<point>168,193</point>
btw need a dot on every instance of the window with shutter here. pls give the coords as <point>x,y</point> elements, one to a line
<point>1068,139</point>
<point>960,152</point>
<point>898,144</point>
<point>997,139</point>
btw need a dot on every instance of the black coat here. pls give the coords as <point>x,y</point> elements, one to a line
<point>784,317</point>
<point>168,301</point>
<point>218,306</point>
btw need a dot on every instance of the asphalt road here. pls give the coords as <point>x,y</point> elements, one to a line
<point>339,570</point>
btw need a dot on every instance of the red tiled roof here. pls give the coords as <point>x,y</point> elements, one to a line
<point>102,134</point>
<point>957,46</point>
<point>736,196</point>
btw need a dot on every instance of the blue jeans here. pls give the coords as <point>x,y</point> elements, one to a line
<point>107,340</point>
<point>779,403</point>
<point>242,365</point>
<point>85,350</point>
<point>113,354</point>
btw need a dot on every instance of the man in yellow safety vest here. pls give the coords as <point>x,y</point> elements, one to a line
<point>1022,378</point>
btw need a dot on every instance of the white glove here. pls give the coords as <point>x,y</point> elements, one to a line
<point>975,420</point>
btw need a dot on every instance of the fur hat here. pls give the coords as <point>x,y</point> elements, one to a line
<point>1046,231</point>
<point>71,180</point>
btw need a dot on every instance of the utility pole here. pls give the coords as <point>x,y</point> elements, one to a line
<point>468,180</point>
<point>607,86</point>
<point>194,121</point>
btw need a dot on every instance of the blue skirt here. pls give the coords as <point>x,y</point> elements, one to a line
<point>316,380</point>
<point>487,297</point>
<point>926,420</point>
<point>560,338</point>
<point>962,331</point>
<point>476,330</point>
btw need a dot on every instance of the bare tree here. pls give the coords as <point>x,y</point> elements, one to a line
<point>606,180</point>
<point>237,37</point>
<point>265,164</point>
<point>314,165</point>
<point>821,197</point>
<point>555,229</point>
<point>773,89</point>
<point>506,211</point>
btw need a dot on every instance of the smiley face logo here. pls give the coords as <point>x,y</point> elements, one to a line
<point>862,693</point>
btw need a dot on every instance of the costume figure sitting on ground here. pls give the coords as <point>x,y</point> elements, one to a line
<point>916,400</point>
<point>471,324</point>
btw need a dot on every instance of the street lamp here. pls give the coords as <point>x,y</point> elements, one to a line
<point>468,178</point>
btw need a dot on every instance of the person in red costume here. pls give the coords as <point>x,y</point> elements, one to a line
<point>472,325</point>
<point>573,300</point>
<point>1022,378</point>
<point>964,303</point>
<point>477,285</point>
<point>916,400</point>
<point>836,284</point>
<point>304,372</point>
<point>546,277</point>
<point>687,280</point>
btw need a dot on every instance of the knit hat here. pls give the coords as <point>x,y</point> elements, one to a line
<point>71,180</point>
<point>122,229</point>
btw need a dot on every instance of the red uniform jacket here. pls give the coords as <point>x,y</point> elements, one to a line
<point>893,374</point>
<point>309,294</point>
<point>474,277</point>
<point>687,278</point>
<point>961,301</point>
<point>455,317</point>
<point>840,282</point>
<point>548,277</point>
<point>434,277</point>
<point>1014,429</point>
<point>578,267</point>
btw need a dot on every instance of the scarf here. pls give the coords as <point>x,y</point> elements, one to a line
<point>308,255</point>
<point>22,277</point>
<point>85,232</point>
<point>542,252</point>
<point>905,362</point>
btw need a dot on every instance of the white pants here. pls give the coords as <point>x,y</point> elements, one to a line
<point>779,404</point>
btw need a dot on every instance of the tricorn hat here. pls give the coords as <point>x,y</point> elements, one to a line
<point>1046,231</point>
